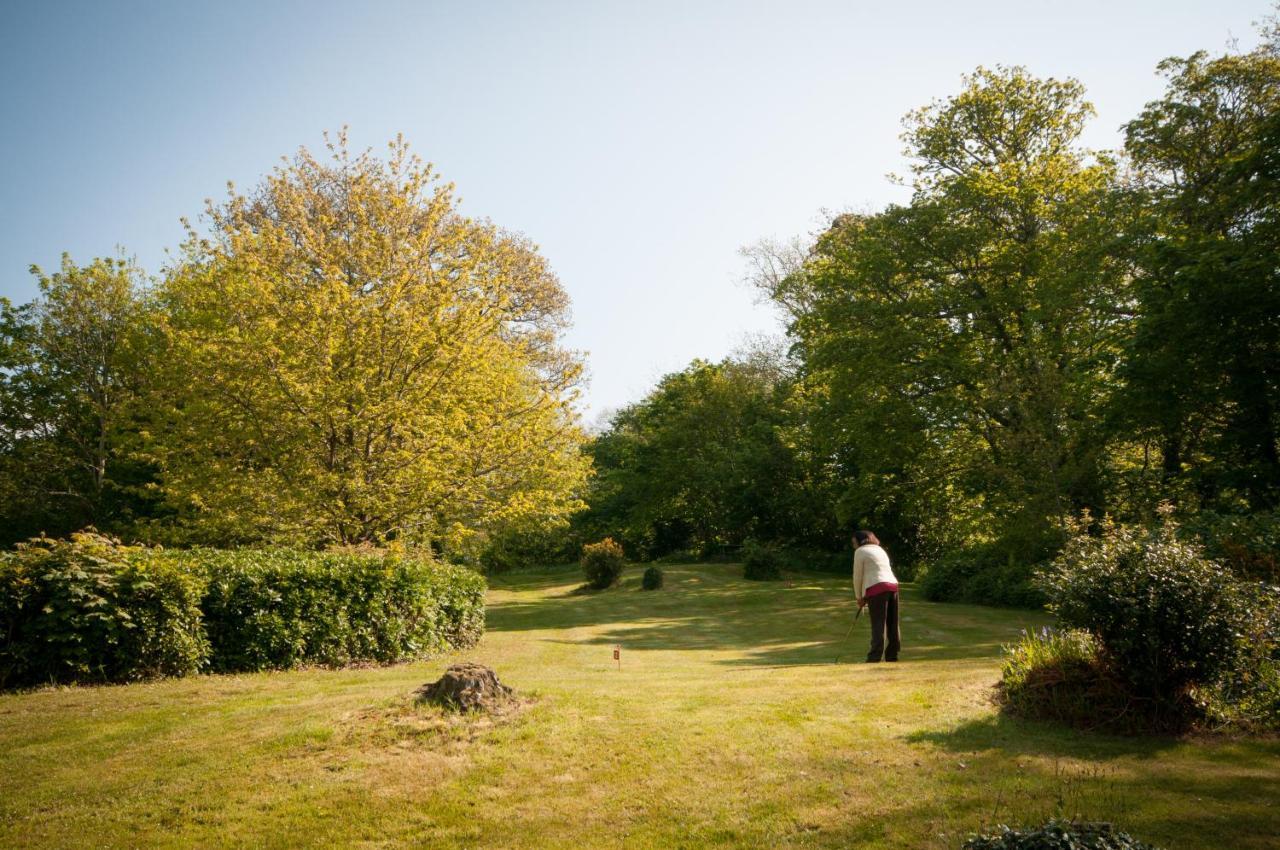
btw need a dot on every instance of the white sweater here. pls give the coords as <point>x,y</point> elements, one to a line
<point>870,567</point>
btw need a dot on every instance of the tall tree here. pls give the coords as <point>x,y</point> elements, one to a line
<point>706,460</point>
<point>961,345</point>
<point>352,360</point>
<point>1203,373</point>
<point>71,372</point>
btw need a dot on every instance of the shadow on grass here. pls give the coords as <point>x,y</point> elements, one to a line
<point>1217,794</point>
<point>1008,737</point>
<point>801,621</point>
<point>529,580</point>
<point>1091,774</point>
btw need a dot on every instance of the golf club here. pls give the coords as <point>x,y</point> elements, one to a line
<point>851,625</point>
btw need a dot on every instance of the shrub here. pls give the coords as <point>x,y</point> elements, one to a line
<point>1057,835</point>
<point>1167,618</point>
<point>983,576</point>
<point>1248,544</point>
<point>602,563</point>
<point>87,609</point>
<point>1060,676</point>
<point>760,562</point>
<point>1248,696</point>
<point>821,560</point>
<point>266,609</point>
<point>652,579</point>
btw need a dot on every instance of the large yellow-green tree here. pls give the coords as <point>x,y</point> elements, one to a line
<point>352,360</point>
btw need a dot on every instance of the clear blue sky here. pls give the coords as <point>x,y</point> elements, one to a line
<point>639,144</point>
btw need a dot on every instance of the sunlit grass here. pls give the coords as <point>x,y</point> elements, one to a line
<point>728,725</point>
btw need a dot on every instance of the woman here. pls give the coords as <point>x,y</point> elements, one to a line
<point>875,586</point>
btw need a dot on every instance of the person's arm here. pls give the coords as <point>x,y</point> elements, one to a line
<point>859,575</point>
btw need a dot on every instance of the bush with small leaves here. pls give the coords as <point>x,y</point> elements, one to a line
<point>1247,698</point>
<point>1057,835</point>
<point>761,562</point>
<point>652,579</point>
<point>602,563</point>
<point>1168,619</point>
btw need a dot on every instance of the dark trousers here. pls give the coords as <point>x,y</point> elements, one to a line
<point>884,621</point>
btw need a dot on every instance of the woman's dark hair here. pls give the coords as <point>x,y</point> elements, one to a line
<point>862,538</point>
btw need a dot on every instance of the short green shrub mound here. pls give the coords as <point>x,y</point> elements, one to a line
<point>602,563</point>
<point>652,579</point>
<point>1059,676</point>
<point>761,562</point>
<point>804,559</point>
<point>87,609</point>
<point>1057,835</point>
<point>277,609</point>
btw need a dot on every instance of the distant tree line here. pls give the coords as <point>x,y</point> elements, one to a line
<point>340,358</point>
<point>1040,330</point>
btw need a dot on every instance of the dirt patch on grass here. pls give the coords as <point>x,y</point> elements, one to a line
<point>411,722</point>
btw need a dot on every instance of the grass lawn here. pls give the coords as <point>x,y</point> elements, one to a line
<point>728,725</point>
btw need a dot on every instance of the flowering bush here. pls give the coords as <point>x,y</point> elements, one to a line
<point>602,563</point>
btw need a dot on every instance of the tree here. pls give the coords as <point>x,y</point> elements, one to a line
<point>960,347</point>
<point>709,458</point>
<point>1203,372</point>
<point>352,360</point>
<point>71,371</point>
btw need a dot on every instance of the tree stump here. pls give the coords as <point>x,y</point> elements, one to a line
<point>468,687</point>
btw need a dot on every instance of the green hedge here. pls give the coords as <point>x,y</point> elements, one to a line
<point>88,609</point>
<point>276,609</point>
